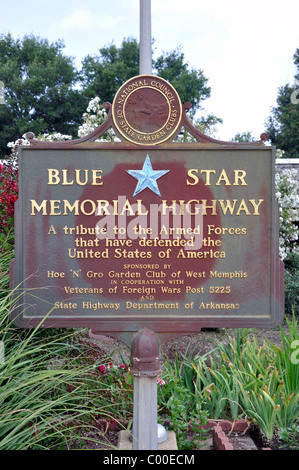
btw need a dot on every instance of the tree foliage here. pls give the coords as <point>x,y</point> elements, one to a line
<point>102,75</point>
<point>243,137</point>
<point>45,93</point>
<point>283,123</point>
<point>190,84</point>
<point>39,88</point>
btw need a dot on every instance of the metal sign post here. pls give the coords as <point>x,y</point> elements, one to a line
<point>145,61</point>
<point>145,368</point>
<point>145,361</point>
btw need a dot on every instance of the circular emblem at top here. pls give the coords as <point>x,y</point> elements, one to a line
<point>147,110</point>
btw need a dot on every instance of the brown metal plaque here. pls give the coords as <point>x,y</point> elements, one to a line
<point>118,238</point>
<point>147,110</point>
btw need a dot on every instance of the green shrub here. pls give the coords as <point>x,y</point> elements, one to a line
<point>179,407</point>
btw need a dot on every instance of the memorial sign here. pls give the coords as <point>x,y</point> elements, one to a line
<point>147,233</point>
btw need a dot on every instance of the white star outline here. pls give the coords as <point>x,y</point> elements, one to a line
<point>147,177</point>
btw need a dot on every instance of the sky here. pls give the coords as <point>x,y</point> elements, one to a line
<point>245,49</point>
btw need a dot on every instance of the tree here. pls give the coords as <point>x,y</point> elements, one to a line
<point>40,94</point>
<point>40,84</point>
<point>243,137</point>
<point>103,75</point>
<point>283,123</point>
<point>191,85</point>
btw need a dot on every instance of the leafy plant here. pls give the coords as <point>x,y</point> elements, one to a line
<point>179,409</point>
<point>290,436</point>
<point>261,408</point>
<point>117,384</point>
<point>245,379</point>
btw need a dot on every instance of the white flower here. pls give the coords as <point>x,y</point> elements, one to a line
<point>95,116</point>
<point>287,188</point>
<point>56,136</point>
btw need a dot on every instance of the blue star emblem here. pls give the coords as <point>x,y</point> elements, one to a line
<point>147,177</point>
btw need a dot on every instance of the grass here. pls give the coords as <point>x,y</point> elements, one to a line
<point>51,390</point>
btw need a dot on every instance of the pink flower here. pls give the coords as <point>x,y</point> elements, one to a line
<point>102,369</point>
<point>160,381</point>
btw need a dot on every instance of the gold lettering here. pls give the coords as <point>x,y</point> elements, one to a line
<point>127,208</point>
<point>54,206</point>
<point>208,173</point>
<point>65,182</point>
<point>228,206</point>
<point>223,177</point>
<point>52,230</point>
<point>80,183</point>
<point>95,177</point>
<point>70,208</point>
<point>195,178</point>
<point>53,177</point>
<point>243,207</point>
<point>80,179</point>
<point>188,204</point>
<point>240,175</point>
<point>140,207</point>
<point>256,205</point>
<point>205,207</point>
<point>165,207</point>
<point>238,181</point>
<point>102,206</point>
<point>93,207</point>
<point>201,254</point>
<point>36,207</point>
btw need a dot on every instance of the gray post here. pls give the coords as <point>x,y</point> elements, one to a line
<point>145,59</point>
<point>145,368</point>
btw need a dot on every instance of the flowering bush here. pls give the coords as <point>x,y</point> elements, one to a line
<point>13,158</point>
<point>116,372</point>
<point>56,137</point>
<point>95,116</point>
<point>287,196</point>
<point>9,192</point>
<point>117,386</point>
